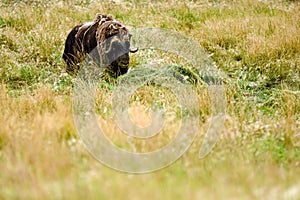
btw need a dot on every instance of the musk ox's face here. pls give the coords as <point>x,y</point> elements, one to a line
<point>116,48</point>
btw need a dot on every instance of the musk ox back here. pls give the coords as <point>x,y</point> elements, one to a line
<point>107,38</point>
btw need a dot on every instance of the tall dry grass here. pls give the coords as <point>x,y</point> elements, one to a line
<point>257,45</point>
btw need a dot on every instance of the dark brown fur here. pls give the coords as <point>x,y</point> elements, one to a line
<point>96,36</point>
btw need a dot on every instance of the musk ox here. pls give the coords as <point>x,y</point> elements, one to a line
<point>106,38</point>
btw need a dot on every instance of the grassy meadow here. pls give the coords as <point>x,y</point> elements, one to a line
<point>256,43</point>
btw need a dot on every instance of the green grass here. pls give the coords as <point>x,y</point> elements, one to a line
<point>255,43</point>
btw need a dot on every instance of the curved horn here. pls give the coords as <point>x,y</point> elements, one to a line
<point>113,26</point>
<point>134,50</point>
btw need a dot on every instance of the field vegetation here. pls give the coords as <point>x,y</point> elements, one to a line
<point>256,43</point>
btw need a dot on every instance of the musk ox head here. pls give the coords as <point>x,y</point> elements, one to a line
<point>113,45</point>
<point>109,38</point>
